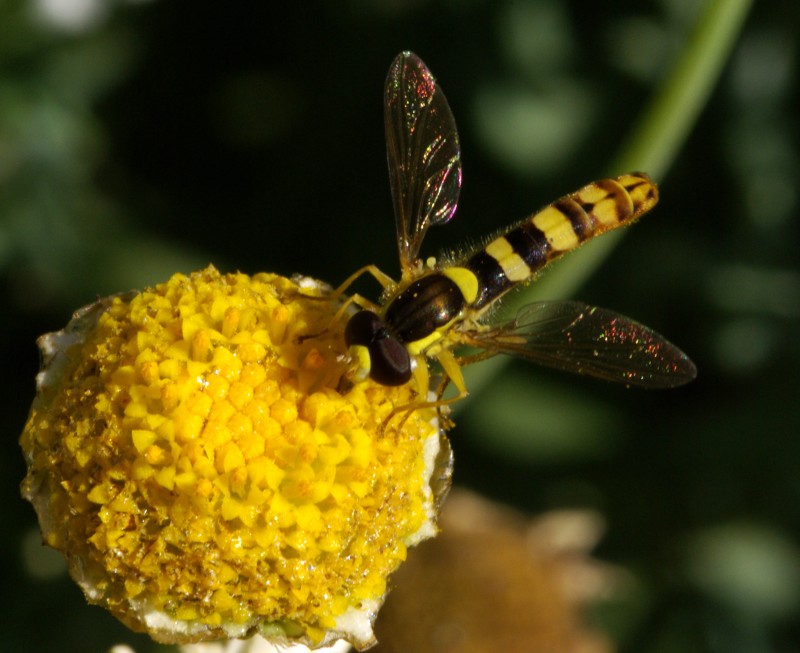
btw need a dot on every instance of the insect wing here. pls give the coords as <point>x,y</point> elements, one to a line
<point>423,153</point>
<point>576,337</point>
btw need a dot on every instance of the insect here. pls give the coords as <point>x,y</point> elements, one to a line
<point>437,306</point>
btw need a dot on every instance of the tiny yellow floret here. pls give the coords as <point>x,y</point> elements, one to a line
<point>195,455</point>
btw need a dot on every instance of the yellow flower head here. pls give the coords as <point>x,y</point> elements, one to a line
<point>189,453</point>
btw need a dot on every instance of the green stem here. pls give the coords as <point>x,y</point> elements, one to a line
<point>652,146</point>
<point>666,123</point>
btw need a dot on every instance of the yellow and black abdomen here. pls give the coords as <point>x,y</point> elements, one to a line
<point>560,227</point>
<point>417,318</point>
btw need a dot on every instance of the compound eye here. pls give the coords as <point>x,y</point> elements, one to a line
<point>362,328</point>
<point>390,363</point>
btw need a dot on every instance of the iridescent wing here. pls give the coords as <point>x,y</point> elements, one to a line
<point>575,337</point>
<point>423,153</point>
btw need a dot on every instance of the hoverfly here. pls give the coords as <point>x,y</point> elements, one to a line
<point>438,306</point>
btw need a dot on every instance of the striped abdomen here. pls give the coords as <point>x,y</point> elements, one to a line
<point>558,228</point>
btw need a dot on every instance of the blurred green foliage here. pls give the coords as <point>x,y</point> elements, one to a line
<point>142,138</point>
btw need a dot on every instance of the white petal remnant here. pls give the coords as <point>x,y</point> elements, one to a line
<point>258,644</point>
<point>191,456</point>
<point>255,644</point>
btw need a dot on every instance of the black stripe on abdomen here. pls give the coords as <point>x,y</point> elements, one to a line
<point>529,242</point>
<point>579,219</point>
<point>492,281</point>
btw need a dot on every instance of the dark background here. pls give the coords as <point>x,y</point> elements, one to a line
<point>138,139</point>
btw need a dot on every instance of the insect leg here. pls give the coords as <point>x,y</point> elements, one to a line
<point>452,374</point>
<point>382,278</point>
<point>452,370</point>
<point>341,312</point>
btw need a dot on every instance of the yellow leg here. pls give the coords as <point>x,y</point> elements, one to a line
<point>384,279</point>
<point>452,370</point>
<point>452,374</point>
<point>358,300</point>
<point>421,376</point>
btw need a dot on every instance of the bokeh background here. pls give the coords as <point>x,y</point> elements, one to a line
<point>141,138</point>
